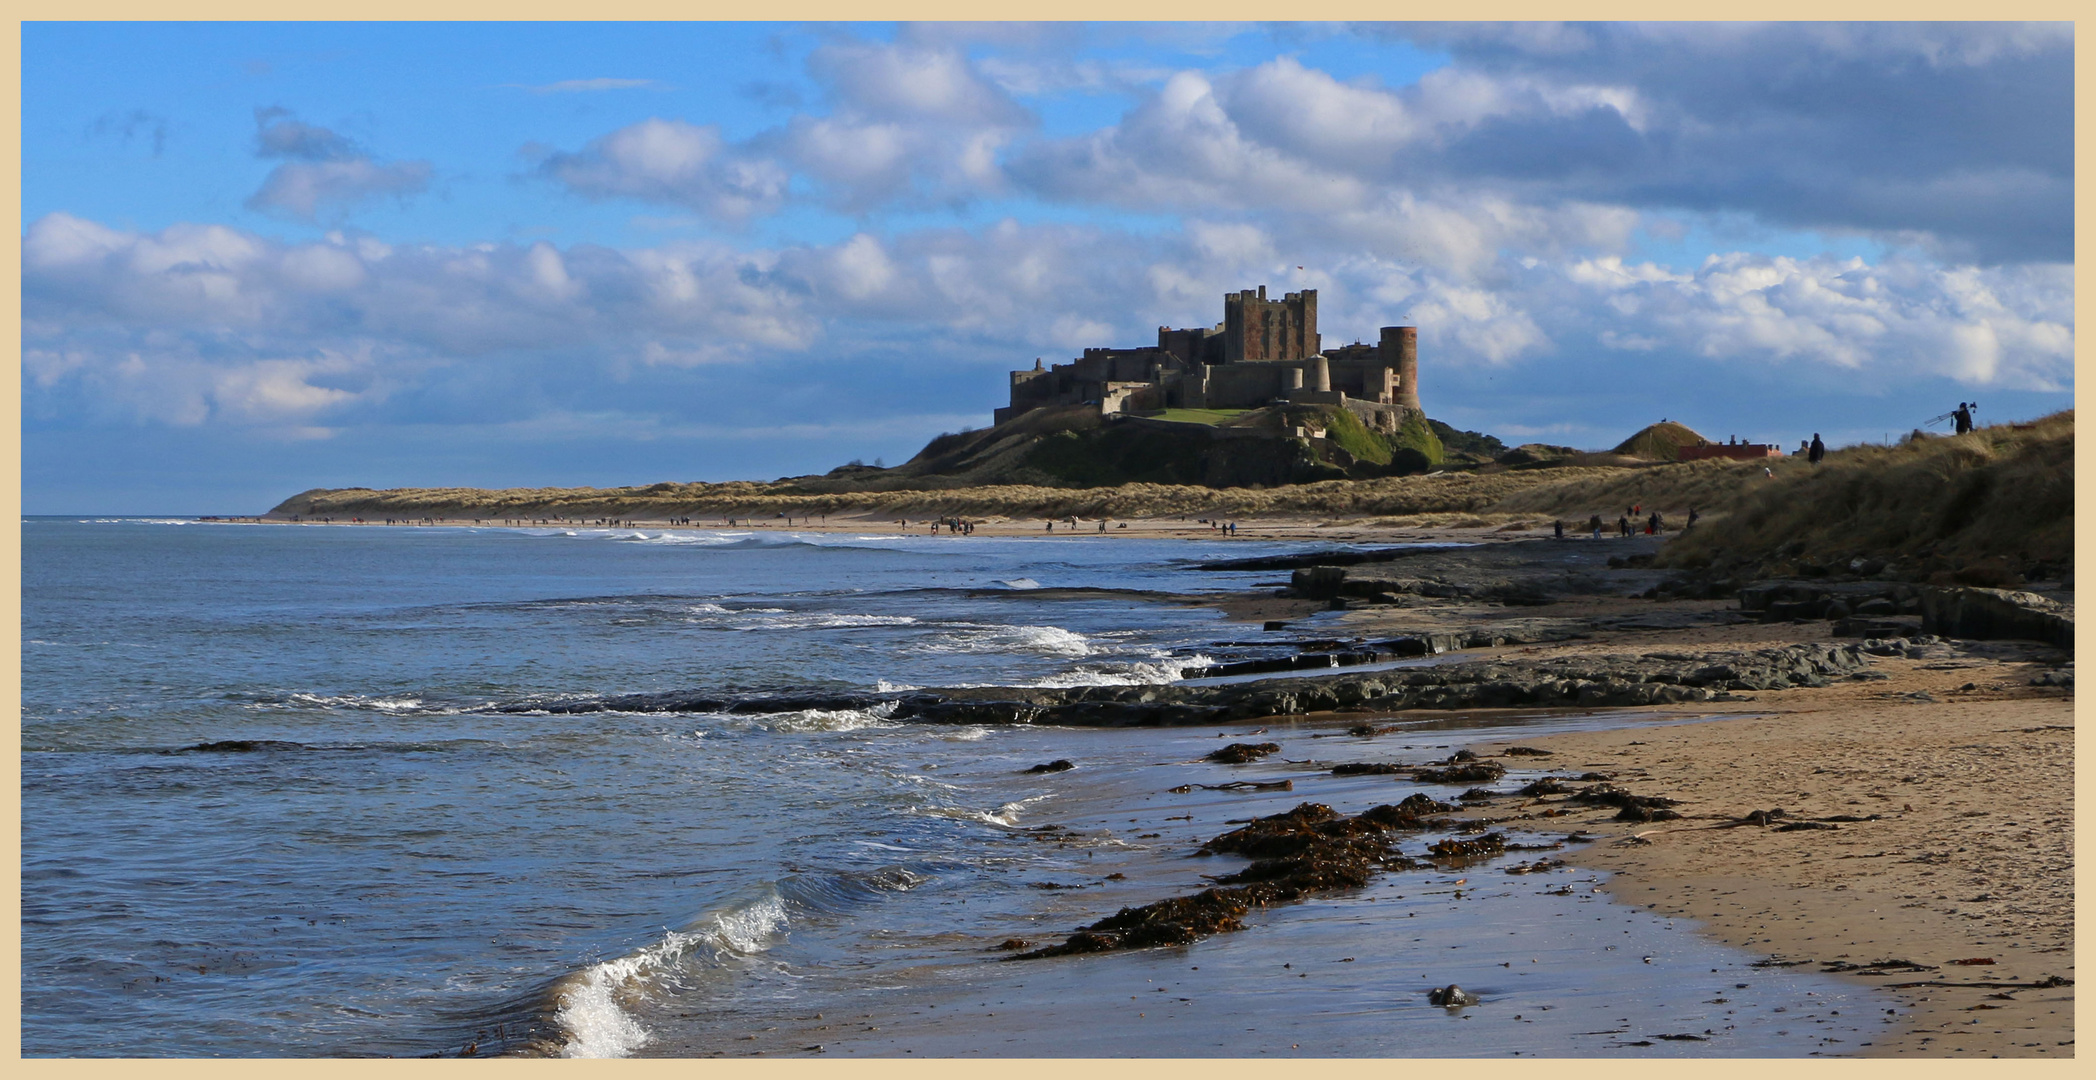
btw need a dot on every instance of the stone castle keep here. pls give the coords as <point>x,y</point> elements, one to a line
<point>1264,352</point>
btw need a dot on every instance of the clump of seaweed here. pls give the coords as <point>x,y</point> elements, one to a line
<point>1311,848</point>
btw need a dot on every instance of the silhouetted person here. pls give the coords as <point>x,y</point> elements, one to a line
<point>1594,523</point>
<point>1818,451</point>
<point>1963,417</point>
<point>1691,520</point>
<point>1559,526</point>
<point>1623,526</point>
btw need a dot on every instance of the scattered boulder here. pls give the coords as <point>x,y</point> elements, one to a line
<point>1451,997</point>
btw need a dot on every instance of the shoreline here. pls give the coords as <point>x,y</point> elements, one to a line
<point>1427,529</point>
<point>1980,867</point>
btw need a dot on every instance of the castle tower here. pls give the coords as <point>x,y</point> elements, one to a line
<point>1399,349</point>
<point>1255,328</point>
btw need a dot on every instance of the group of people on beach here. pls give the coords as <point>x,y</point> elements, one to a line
<point>1655,523</point>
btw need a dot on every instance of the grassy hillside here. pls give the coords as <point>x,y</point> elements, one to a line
<point>1927,506</point>
<point>1662,441</point>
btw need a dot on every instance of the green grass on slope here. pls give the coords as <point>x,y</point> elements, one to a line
<point>1198,416</point>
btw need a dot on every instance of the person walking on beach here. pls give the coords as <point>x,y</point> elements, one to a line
<point>1818,451</point>
<point>1594,523</point>
<point>1652,524</point>
<point>1559,528</point>
<point>1623,526</point>
<point>1691,519</point>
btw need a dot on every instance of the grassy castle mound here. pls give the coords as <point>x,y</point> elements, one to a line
<point>1661,442</point>
<point>1075,447</point>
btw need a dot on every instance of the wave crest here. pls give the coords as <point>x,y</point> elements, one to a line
<point>592,1006</point>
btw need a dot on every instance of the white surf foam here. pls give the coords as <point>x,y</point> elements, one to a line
<point>1006,815</point>
<point>823,620</point>
<point>1132,673</point>
<point>832,719</point>
<point>1039,640</point>
<point>593,1007</point>
<point>364,701</point>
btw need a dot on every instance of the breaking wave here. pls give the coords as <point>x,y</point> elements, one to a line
<point>832,719</point>
<point>593,1006</point>
<point>1040,640</point>
<point>1130,673</point>
<point>825,620</point>
<point>1006,815</point>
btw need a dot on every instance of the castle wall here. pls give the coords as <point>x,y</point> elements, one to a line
<point>1248,386</point>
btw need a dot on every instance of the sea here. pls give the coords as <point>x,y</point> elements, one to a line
<point>298,790</point>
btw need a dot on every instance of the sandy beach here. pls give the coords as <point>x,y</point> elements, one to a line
<point>1967,853</point>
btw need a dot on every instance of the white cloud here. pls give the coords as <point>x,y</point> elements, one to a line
<point>303,188</point>
<point>210,325</point>
<point>673,162</point>
<point>323,170</point>
<point>909,82</point>
<point>1898,320</point>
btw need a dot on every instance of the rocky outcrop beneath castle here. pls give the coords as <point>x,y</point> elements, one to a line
<point>1567,682</point>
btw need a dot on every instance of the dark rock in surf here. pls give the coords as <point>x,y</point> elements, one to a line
<point>1238,753</point>
<point>1468,773</point>
<point>239,746</point>
<point>1451,997</point>
<point>1369,768</point>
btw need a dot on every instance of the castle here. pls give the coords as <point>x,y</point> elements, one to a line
<point>1264,352</point>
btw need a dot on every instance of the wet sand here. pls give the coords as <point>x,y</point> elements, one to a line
<point>1971,856</point>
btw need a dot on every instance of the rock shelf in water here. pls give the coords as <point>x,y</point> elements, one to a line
<point>1569,682</point>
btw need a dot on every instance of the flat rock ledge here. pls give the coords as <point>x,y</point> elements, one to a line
<point>1657,678</point>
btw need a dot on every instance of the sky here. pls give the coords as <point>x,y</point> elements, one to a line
<point>263,258</point>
